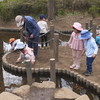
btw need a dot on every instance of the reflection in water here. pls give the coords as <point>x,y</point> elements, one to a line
<point>6,47</point>
<point>11,81</point>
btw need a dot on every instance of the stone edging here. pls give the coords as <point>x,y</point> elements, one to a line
<point>73,74</point>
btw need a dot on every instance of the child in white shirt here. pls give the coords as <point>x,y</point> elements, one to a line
<point>44,29</point>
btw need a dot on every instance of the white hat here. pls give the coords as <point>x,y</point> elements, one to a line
<point>77,26</point>
<point>18,19</point>
<point>19,45</point>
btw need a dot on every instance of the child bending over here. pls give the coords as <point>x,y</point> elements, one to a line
<point>26,53</point>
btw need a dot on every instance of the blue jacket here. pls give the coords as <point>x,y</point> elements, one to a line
<point>31,26</point>
<point>98,40</point>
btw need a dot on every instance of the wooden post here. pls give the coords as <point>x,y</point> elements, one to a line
<point>94,30</point>
<point>2,88</point>
<point>52,70</point>
<point>91,23</point>
<point>28,72</point>
<point>51,35</point>
<point>99,27</point>
<point>55,47</point>
<point>86,24</point>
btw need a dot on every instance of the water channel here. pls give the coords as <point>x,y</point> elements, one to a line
<point>10,81</point>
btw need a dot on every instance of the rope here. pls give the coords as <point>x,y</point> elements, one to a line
<point>63,33</point>
<point>40,42</point>
<point>44,34</point>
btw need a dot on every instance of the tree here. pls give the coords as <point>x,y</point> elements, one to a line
<point>51,10</point>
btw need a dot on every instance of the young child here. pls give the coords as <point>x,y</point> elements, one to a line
<point>91,50</point>
<point>44,29</point>
<point>13,43</point>
<point>26,53</point>
<point>76,45</point>
<point>97,39</point>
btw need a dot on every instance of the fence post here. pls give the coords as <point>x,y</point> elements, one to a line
<point>91,23</point>
<point>55,46</point>
<point>52,70</point>
<point>51,35</point>
<point>94,30</point>
<point>2,88</point>
<point>86,25</point>
<point>28,72</point>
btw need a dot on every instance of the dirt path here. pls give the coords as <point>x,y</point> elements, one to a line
<point>65,60</point>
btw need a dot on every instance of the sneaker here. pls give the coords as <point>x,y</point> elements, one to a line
<point>76,67</point>
<point>85,72</point>
<point>72,66</point>
<point>46,47</point>
<point>23,62</point>
<point>88,73</point>
<point>42,47</point>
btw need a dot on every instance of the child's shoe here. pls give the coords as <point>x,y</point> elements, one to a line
<point>42,47</point>
<point>47,47</point>
<point>72,66</point>
<point>88,73</point>
<point>76,67</point>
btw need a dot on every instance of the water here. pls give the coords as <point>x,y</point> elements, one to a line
<point>10,81</point>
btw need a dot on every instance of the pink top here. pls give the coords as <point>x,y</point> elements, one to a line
<point>75,42</point>
<point>28,51</point>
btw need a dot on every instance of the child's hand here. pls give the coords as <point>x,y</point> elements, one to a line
<point>33,63</point>
<point>17,62</point>
<point>82,54</point>
<point>26,38</point>
<point>67,44</point>
<point>94,55</point>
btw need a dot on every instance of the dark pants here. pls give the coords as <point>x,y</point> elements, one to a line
<point>43,39</point>
<point>33,43</point>
<point>89,61</point>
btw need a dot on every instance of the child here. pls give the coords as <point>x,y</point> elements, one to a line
<point>44,29</point>
<point>76,44</point>
<point>13,43</point>
<point>91,50</point>
<point>98,38</point>
<point>26,53</point>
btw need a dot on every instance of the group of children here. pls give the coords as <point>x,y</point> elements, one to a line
<point>81,41</point>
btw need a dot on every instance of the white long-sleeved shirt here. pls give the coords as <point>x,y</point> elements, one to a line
<point>91,47</point>
<point>43,25</point>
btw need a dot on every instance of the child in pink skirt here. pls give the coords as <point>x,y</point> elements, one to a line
<point>76,45</point>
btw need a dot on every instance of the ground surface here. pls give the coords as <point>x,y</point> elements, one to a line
<point>65,58</point>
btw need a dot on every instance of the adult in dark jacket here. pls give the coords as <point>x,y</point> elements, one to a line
<point>31,26</point>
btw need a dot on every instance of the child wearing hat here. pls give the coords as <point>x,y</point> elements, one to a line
<point>13,43</point>
<point>91,50</point>
<point>44,29</point>
<point>76,45</point>
<point>26,53</point>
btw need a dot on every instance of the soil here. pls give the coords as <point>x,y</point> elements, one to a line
<point>65,55</point>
